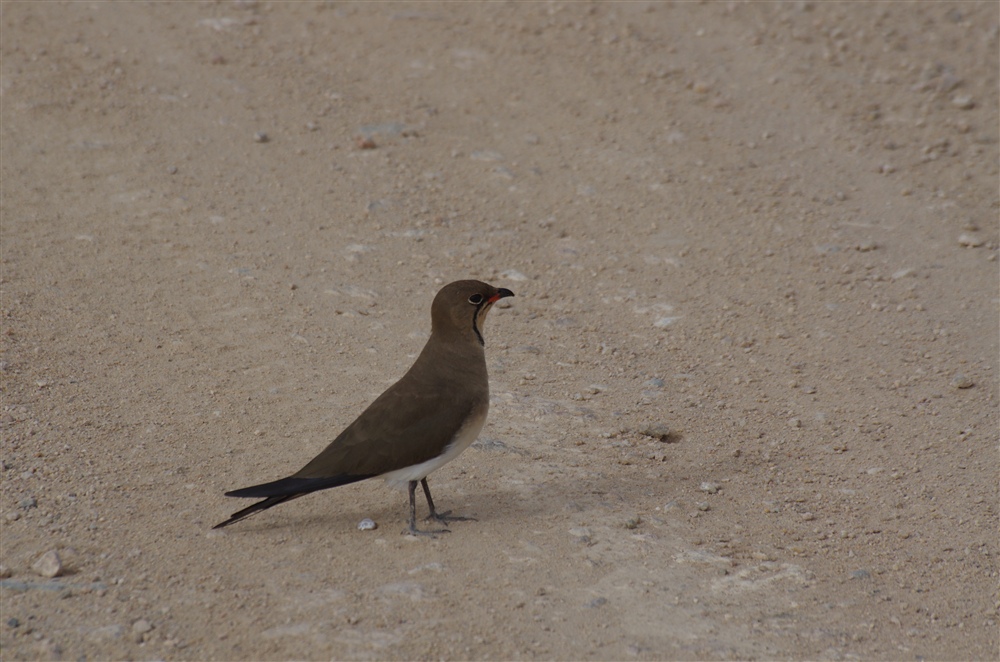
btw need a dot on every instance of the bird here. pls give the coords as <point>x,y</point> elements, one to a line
<point>423,421</point>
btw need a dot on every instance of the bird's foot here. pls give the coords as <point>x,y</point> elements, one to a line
<point>446,517</point>
<point>412,530</point>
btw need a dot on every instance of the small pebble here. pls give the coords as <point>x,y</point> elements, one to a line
<point>13,622</point>
<point>513,274</point>
<point>28,502</point>
<point>655,382</point>
<point>703,506</point>
<point>260,137</point>
<point>172,170</point>
<point>141,626</point>
<point>13,516</point>
<point>964,101</point>
<point>658,431</point>
<point>860,574</point>
<point>961,381</point>
<point>367,525</point>
<point>597,602</point>
<point>5,572</point>
<point>710,488</point>
<point>794,423</point>
<point>633,522</point>
<point>866,246</point>
<point>48,564</point>
<point>969,240</point>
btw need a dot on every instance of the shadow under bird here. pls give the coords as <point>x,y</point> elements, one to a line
<point>433,413</point>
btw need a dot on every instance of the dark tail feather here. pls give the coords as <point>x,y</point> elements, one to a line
<point>283,490</point>
<point>293,485</point>
<point>269,502</point>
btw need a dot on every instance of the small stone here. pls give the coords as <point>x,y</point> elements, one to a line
<point>655,382</point>
<point>13,622</point>
<point>4,572</point>
<point>141,626</point>
<point>633,523</point>
<point>664,322</point>
<point>28,502</point>
<point>962,381</point>
<point>658,431</point>
<point>13,516</point>
<point>901,273</point>
<point>860,574</point>
<point>48,564</point>
<point>964,101</point>
<point>794,423</point>
<point>808,517</point>
<point>367,524</point>
<point>970,240</point>
<point>486,155</point>
<point>597,602</point>
<point>260,137</point>
<point>867,245</point>
<point>172,170</point>
<point>710,488</point>
<point>513,274</point>
<point>704,506</point>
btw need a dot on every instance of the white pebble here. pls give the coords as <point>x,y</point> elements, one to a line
<point>970,240</point>
<point>961,381</point>
<point>964,101</point>
<point>48,564</point>
<point>367,525</point>
<point>710,488</point>
<point>513,274</point>
<point>141,626</point>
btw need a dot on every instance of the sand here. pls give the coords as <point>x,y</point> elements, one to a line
<point>744,404</point>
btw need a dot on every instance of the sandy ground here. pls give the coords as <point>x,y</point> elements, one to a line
<point>769,229</point>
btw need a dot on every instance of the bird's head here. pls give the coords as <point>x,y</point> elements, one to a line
<point>461,307</point>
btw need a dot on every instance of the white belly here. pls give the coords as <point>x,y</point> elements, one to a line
<point>463,439</point>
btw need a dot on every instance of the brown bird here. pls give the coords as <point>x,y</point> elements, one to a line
<point>433,413</point>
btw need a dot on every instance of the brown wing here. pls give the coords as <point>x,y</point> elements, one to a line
<point>408,424</point>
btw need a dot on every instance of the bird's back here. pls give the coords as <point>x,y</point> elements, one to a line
<point>424,410</point>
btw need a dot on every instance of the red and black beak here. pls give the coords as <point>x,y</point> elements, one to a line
<point>501,293</point>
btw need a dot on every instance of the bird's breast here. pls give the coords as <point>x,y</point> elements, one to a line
<point>461,440</point>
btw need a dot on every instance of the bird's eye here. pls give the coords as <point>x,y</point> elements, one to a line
<point>476,299</point>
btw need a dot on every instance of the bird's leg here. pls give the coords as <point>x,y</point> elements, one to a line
<point>444,517</point>
<point>412,527</point>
